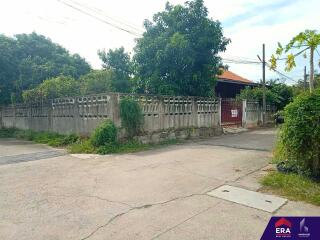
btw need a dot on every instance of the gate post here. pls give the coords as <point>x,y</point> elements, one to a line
<point>244,113</point>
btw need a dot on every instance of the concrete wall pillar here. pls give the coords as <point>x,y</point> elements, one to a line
<point>161,113</point>
<point>50,117</point>
<point>219,111</point>
<point>115,109</point>
<point>244,113</point>
<point>195,119</point>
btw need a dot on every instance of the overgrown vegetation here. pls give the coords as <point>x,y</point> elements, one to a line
<point>131,116</point>
<point>278,94</point>
<point>300,135</point>
<point>102,141</point>
<point>52,139</point>
<point>131,146</point>
<point>53,88</point>
<point>292,186</point>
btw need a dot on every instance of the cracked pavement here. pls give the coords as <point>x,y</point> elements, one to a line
<point>157,194</point>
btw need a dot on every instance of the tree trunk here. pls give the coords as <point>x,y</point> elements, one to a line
<point>311,69</point>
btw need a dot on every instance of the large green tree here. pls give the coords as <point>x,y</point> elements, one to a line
<point>178,51</point>
<point>26,60</point>
<point>119,63</point>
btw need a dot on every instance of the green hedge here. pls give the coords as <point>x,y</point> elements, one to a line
<point>300,134</point>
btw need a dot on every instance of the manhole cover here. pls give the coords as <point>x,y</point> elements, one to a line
<point>248,198</point>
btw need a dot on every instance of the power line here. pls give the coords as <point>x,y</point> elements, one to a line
<point>239,58</point>
<point>280,73</point>
<point>229,60</point>
<point>99,19</point>
<point>104,14</point>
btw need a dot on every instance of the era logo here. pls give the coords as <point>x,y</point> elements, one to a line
<point>283,228</point>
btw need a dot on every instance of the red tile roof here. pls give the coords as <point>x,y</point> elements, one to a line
<point>228,75</point>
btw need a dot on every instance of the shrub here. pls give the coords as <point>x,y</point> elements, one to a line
<point>300,134</point>
<point>105,134</point>
<point>7,132</point>
<point>131,116</point>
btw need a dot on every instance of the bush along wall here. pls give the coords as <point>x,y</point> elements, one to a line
<point>131,116</point>
<point>300,135</point>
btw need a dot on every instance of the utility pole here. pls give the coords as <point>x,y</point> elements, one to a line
<point>264,104</point>
<point>305,78</point>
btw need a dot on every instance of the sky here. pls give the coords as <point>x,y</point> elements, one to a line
<point>248,23</point>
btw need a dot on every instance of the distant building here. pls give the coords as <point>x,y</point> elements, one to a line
<point>230,84</point>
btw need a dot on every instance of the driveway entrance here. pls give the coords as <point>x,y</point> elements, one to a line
<point>231,112</point>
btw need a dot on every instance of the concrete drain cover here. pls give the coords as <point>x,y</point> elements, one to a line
<point>248,198</point>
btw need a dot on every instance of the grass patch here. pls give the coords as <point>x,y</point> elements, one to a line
<point>76,144</point>
<point>292,186</point>
<point>82,146</point>
<point>85,146</point>
<point>51,139</point>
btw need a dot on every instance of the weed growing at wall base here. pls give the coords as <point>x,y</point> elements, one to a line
<point>52,139</point>
<point>85,146</point>
<point>76,144</point>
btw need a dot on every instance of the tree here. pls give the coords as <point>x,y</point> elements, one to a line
<point>277,94</point>
<point>8,67</point>
<point>97,81</point>
<point>58,87</point>
<point>26,60</point>
<point>178,52</point>
<point>119,62</point>
<point>308,40</point>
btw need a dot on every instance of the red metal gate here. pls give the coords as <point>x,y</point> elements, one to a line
<point>231,112</point>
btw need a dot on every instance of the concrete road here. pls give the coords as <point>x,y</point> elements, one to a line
<point>46,194</point>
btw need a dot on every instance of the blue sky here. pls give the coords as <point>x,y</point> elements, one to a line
<point>248,23</point>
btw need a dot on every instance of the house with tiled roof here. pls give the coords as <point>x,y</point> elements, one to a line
<point>229,84</point>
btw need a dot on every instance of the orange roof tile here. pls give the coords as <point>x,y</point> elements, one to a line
<point>228,75</point>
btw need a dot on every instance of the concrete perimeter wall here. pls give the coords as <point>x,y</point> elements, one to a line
<point>165,116</point>
<point>253,114</point>
<point>82,115</point>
